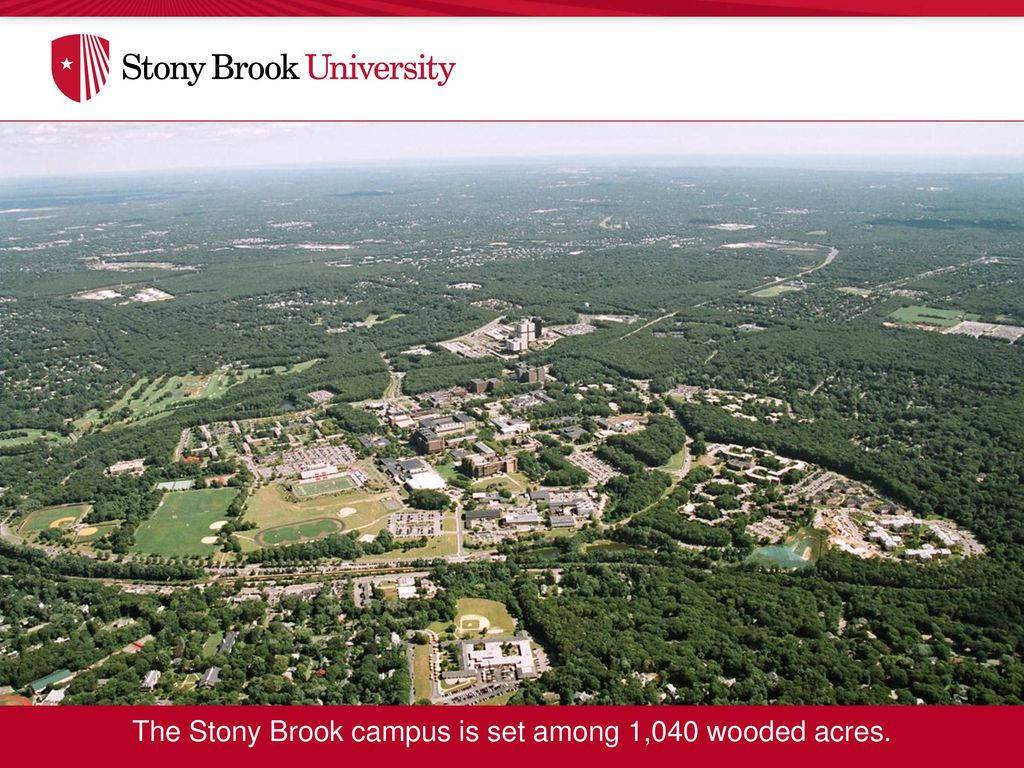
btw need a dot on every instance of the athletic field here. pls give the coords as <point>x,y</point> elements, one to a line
<point>52,517</point>
<point>279,520</point>
<point>185,523</point>
<point>943,318</point>
<point>320,487</point>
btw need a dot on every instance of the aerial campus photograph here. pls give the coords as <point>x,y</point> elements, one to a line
<point>490,414</point>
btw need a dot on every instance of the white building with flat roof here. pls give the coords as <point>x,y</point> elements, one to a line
<point>501,651</point>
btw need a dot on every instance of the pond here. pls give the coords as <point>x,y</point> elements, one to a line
<point>798,551</point>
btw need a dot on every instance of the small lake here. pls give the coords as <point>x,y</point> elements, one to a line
<point>799,551</point>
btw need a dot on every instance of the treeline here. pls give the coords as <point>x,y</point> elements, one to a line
<point>342,546</point>
<point>352,419</point>
<point>548,466</point>
<point>76,565</point>
<point>74,473</point>
<point>653,446</point>
<point>442,369</point>
<point>632,493</point>
<point>664,517</point>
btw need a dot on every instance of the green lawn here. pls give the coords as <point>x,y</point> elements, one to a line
<point>182,521</point>
<point>496,618</point>
<point>437,546</point>
<point>14,437</point>
<point>270,509</point>
<point>943,318</point>
<point>211,644</point>
<point>287,534</point>
<point>421,672</point>
<point>516,483</point>
<point>52,517</point>
<point>675,463</point>
<point>447,471</point>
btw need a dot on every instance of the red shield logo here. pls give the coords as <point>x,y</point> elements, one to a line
<point>80,65</point>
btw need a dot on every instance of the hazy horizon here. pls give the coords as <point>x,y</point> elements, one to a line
<point>73,149</point>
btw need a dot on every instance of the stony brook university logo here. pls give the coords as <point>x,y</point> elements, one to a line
<point>80,65</point>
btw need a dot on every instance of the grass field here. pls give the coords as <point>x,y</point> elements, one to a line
<point>943,318</point>
<point>52,517</point>
<point>474,615</point>
<point>421,672</point>
<point>91,533</point>
<point>675,463</point>
<point>146,399</point>
<point>862,292</point>
<point>775,290</point>
<point>308,490</point>
<point>269,509</point>
<point>289,534</point>
<point>182,521</point>
<point>516,483</point>
<point>211,644</point>
<point>438,546</point>
<point>447,471</point>
<point>30,436</point>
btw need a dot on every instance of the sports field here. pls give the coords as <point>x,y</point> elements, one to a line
<point>52,517</point>
<point>943,318</point>
<point>308,490</point>
<point>285,520</point>
<point>475,615</point>
<point>185,523</point>
<point>289,534</point>
<point>89,533</point>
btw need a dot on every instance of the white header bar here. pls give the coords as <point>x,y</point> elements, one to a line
<point>532,69</point>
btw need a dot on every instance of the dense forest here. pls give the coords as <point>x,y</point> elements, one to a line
<point>686,285</point>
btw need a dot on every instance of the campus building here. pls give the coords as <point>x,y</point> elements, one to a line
<point>486,464</point>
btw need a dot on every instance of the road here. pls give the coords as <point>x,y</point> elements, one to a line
<point>687,460</point>
<point>649,324</point>
<point>832,253</point>
<point>476,331</point>
<point>459,532</point>
<point>394,388</point>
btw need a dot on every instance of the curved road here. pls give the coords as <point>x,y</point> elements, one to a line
<point>832,253</point>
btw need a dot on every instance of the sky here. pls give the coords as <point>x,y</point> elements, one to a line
<point>49,149</point>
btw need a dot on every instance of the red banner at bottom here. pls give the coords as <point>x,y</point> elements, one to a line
<point>511,736</point>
